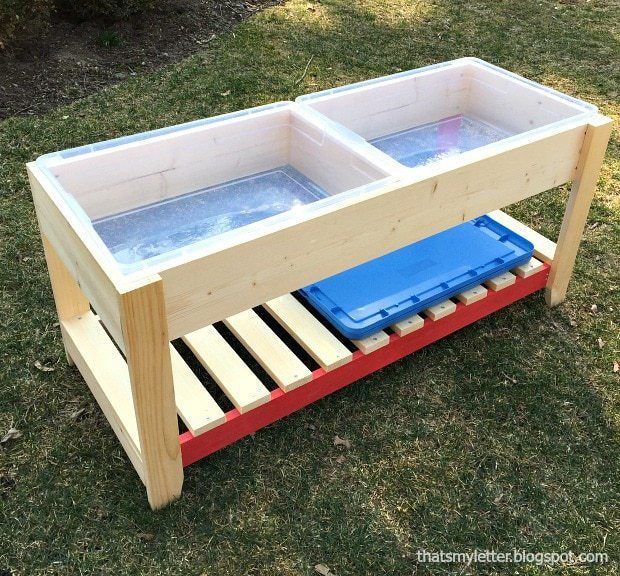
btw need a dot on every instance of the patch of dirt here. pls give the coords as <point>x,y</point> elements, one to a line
<point>75,59</point>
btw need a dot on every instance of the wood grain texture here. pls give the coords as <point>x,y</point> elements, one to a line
<point>105,371</point>
<point>82,257</point>
<point>195,405</point>
<point>313,336</point>
<point>581,194</point>
<point>204,288</point>
<point>69,299</point>
<point>231,373</point>
<point>147,349</point>
<point>268,350</point>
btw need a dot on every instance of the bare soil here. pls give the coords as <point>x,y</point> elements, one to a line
<point>74,59</point>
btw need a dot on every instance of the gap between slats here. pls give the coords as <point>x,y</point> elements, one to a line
<point>288,371</point>
<point>311,334</point>
<point>234,377</point>
<point>199,410</point>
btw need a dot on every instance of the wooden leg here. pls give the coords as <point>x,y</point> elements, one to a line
<point>70,300</point>
<point>147,348</point>
<point>581,194</point>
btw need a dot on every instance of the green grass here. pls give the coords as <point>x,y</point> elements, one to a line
<point>503,435</point>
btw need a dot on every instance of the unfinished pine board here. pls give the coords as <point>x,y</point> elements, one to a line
<point>309,333</point>
<point>268,350</point>
<point>69,299</point>
<point>84,258</point>
<point>372,342</point>
<point>530,267</point>
<point>500,281</point>
<point>582,191</point>
<point>232,374</point>
<point>544,249</point>
<point>195,405</point>
<point>472,295</point>
<point>105,371</point>
<point>408,325</point>
<point>147,350</point>
<point>440,310</point>
<point>204,288</point>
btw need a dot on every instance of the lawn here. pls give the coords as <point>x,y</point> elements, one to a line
<point>505,435</point>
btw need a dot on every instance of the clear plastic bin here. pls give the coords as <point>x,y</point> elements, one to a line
<point>153,197</point>
<point>158,195</point>
<point>439,112</point>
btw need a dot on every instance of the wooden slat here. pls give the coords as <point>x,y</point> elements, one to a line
<point>313,336</point>
<point>372,342</point>
<point>234,377</point>
<point>472,295</point>
<point>501,281</point>
<point>530,267</point>
<point>544,249</point>
<point>270,352</point>
<point>408,325</point>
<point>195,405</point>
<point>105,371</point>
<point>440,310</point>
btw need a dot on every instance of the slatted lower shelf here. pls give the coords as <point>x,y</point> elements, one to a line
<point>287,342</point>
<point>210,428</point>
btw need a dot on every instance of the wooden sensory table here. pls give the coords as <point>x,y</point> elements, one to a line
<point>119,333</point>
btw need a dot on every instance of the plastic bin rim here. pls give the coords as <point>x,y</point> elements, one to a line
<point>324,94</point>
<point>47,160</point>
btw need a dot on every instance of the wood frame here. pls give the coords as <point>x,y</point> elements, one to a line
<point>186,296</point>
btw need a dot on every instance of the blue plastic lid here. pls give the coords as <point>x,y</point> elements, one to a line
<point>374,295</point>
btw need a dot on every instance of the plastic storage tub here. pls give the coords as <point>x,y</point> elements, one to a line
<point>442,111</point>
<point>155,196</point>
<point>375,295</point>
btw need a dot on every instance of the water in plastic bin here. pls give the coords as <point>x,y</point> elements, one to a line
<point>155,229</point>
<point>438,140</point>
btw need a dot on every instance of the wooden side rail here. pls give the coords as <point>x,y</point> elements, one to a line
<point>106,373</point>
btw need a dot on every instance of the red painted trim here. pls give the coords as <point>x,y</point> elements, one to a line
<point>282,404</point>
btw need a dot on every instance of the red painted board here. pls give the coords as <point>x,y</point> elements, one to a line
<point>282,404</point>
